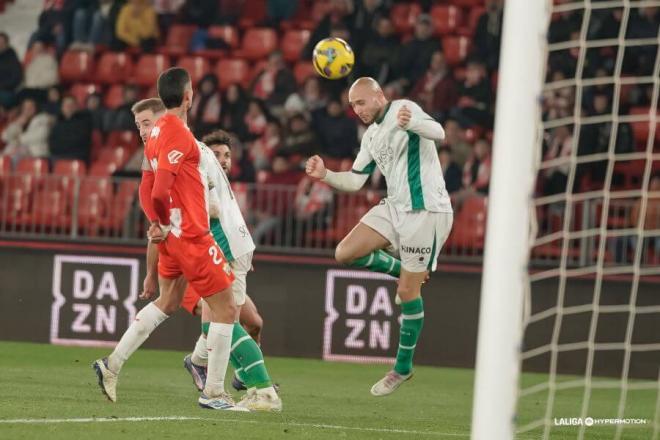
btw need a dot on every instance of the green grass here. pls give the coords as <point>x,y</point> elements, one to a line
<point>321,401</point>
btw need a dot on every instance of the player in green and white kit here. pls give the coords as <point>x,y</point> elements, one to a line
<point>415,218</point>
<point>233,237</point>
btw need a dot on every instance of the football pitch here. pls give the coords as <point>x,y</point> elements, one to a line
<point>50,392</point>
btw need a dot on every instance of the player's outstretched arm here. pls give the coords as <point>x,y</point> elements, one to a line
<point>343,180</point>
<point>414,119</point>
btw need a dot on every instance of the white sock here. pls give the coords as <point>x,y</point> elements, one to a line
<point>218,343</point>
<point>200,354</point>
<point>145,322</point>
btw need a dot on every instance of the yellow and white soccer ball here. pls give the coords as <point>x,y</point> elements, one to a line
<point>333,58</point>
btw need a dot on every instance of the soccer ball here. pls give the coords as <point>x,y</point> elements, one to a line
<point>333,58</point>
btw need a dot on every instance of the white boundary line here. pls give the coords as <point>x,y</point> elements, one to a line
<point>256,422</point>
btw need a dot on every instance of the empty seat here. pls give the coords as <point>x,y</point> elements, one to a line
<point>81,91</point>
<point>403,17</point>
<point>303,70</point>
<point>178,39</point>
<point>113,68</point>
<point>148,68</point>
<point>114,97</point>
<point>293,43</point>
<point>76,66</point>
<point>228,34</point>
<point>94,204</point>
<point>253,13</point>
<point>455,49</point>
<point>232,71</point>
<point>469,230</point>
<point>196,66</point>
<point>257,43</point>
<point>641,128</point>
<point>446,19</point>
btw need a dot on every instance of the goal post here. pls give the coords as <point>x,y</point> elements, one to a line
<point>517,113</point>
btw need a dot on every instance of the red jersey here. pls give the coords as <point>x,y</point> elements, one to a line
<point>172,147</point>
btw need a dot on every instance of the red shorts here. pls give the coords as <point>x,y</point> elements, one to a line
<point>190,300</point>
<point>199,260</point>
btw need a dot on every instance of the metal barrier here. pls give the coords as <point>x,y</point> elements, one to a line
<point>309,218</point>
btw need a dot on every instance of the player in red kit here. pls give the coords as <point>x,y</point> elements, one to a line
<point>186,249</point>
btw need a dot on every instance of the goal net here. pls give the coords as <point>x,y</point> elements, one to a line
<point>588,345</point>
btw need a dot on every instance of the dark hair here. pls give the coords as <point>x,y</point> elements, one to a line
<point>153,104</point>
<point>218,137</point>
<point>5,35</point>
<point>172,84</point>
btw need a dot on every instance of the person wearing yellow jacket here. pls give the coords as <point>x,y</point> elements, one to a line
<point>137,25</point>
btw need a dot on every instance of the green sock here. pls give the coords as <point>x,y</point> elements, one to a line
<point>411,327</point>
<point>379,261</point>
<point>250,358</point>
<point>205,328</point>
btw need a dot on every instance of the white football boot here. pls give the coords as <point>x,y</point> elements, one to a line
<point>389,383</point>
<point>261,400</point>
<point>222,402</point>
<point>107,379</point>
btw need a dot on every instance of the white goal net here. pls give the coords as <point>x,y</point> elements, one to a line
<point>591,322</point>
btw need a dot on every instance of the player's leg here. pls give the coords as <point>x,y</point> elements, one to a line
<point>419,254</point>
<point>251,320</point>
<point>261,394</point>
<point>363,246</point>
<point>147,319</point>
<point>195,363</point>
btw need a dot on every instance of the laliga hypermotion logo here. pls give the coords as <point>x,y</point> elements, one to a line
<point>94,299</point>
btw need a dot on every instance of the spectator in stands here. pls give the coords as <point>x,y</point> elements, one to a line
<point>595,138</point>
<point>201,13</point>
<point>27,135</point>
<point>476,174</point>
<point>488,34</point>
<point>242,169</point>
<point>205,111</point>
<point>560,145</point>
<point>53,24</point>
<point>90,23</point>
<point>338,16</point>
<point>436,90</point>
<point>71,136</point>
<point>234,108</point>
<point>337,132</point>
<point>264,148</point>
<point>11,72</point>
<point>256,119</point>
<point>380,53</point>
<point>455,140</point>
<point>122,117</point>
<point>475,95</point>
<point>137,26</point>
<point>272,204</point>
<point>94,105</point>
<point>644,22</point>
<point>53,101</point>
<point>558,103</point>
<point>312,201</point>
<point>42,71</point>
<point>313,94</point>
<point>450,170</point>
<point>300,140</point>
<point>278,10</point>
<point>274,83</point>
<point>167,10</point>
<point>416,54</point>
<point>364,21</point>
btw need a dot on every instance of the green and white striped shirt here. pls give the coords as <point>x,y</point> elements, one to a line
<point>408,161</point>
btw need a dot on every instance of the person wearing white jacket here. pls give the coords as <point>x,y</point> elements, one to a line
<point>27,135</point>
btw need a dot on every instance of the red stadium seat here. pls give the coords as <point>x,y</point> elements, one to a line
<point>253,13</point>
<point>641,128</point>
<point>81,91</point>
<point>118,156</point>
<point>27,59</point>
<point>67,173</point>
<point>51,209</point>
<point>76,66</point>
<point>114,97</point>
<point>32,166</point>
<point>455,49</point>
<point>197,66</point>
<point>178,39</point>
<point>293,43</point>
<point>102,169</point>
<point>5,171</point>
<point>94,204</point>
<point>232,71</point>
<point>446,19</point>
<point>114,68</point>
<point>257,43</point>
<point>124,138</point>
<point>122,204</point>
<point>148,68</point>
<point>303,70</point>
<point>469,230</point>
<point>403,17</point>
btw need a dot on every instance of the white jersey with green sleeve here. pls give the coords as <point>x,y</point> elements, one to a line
<point>408,162</point>
<point>229,230</point>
